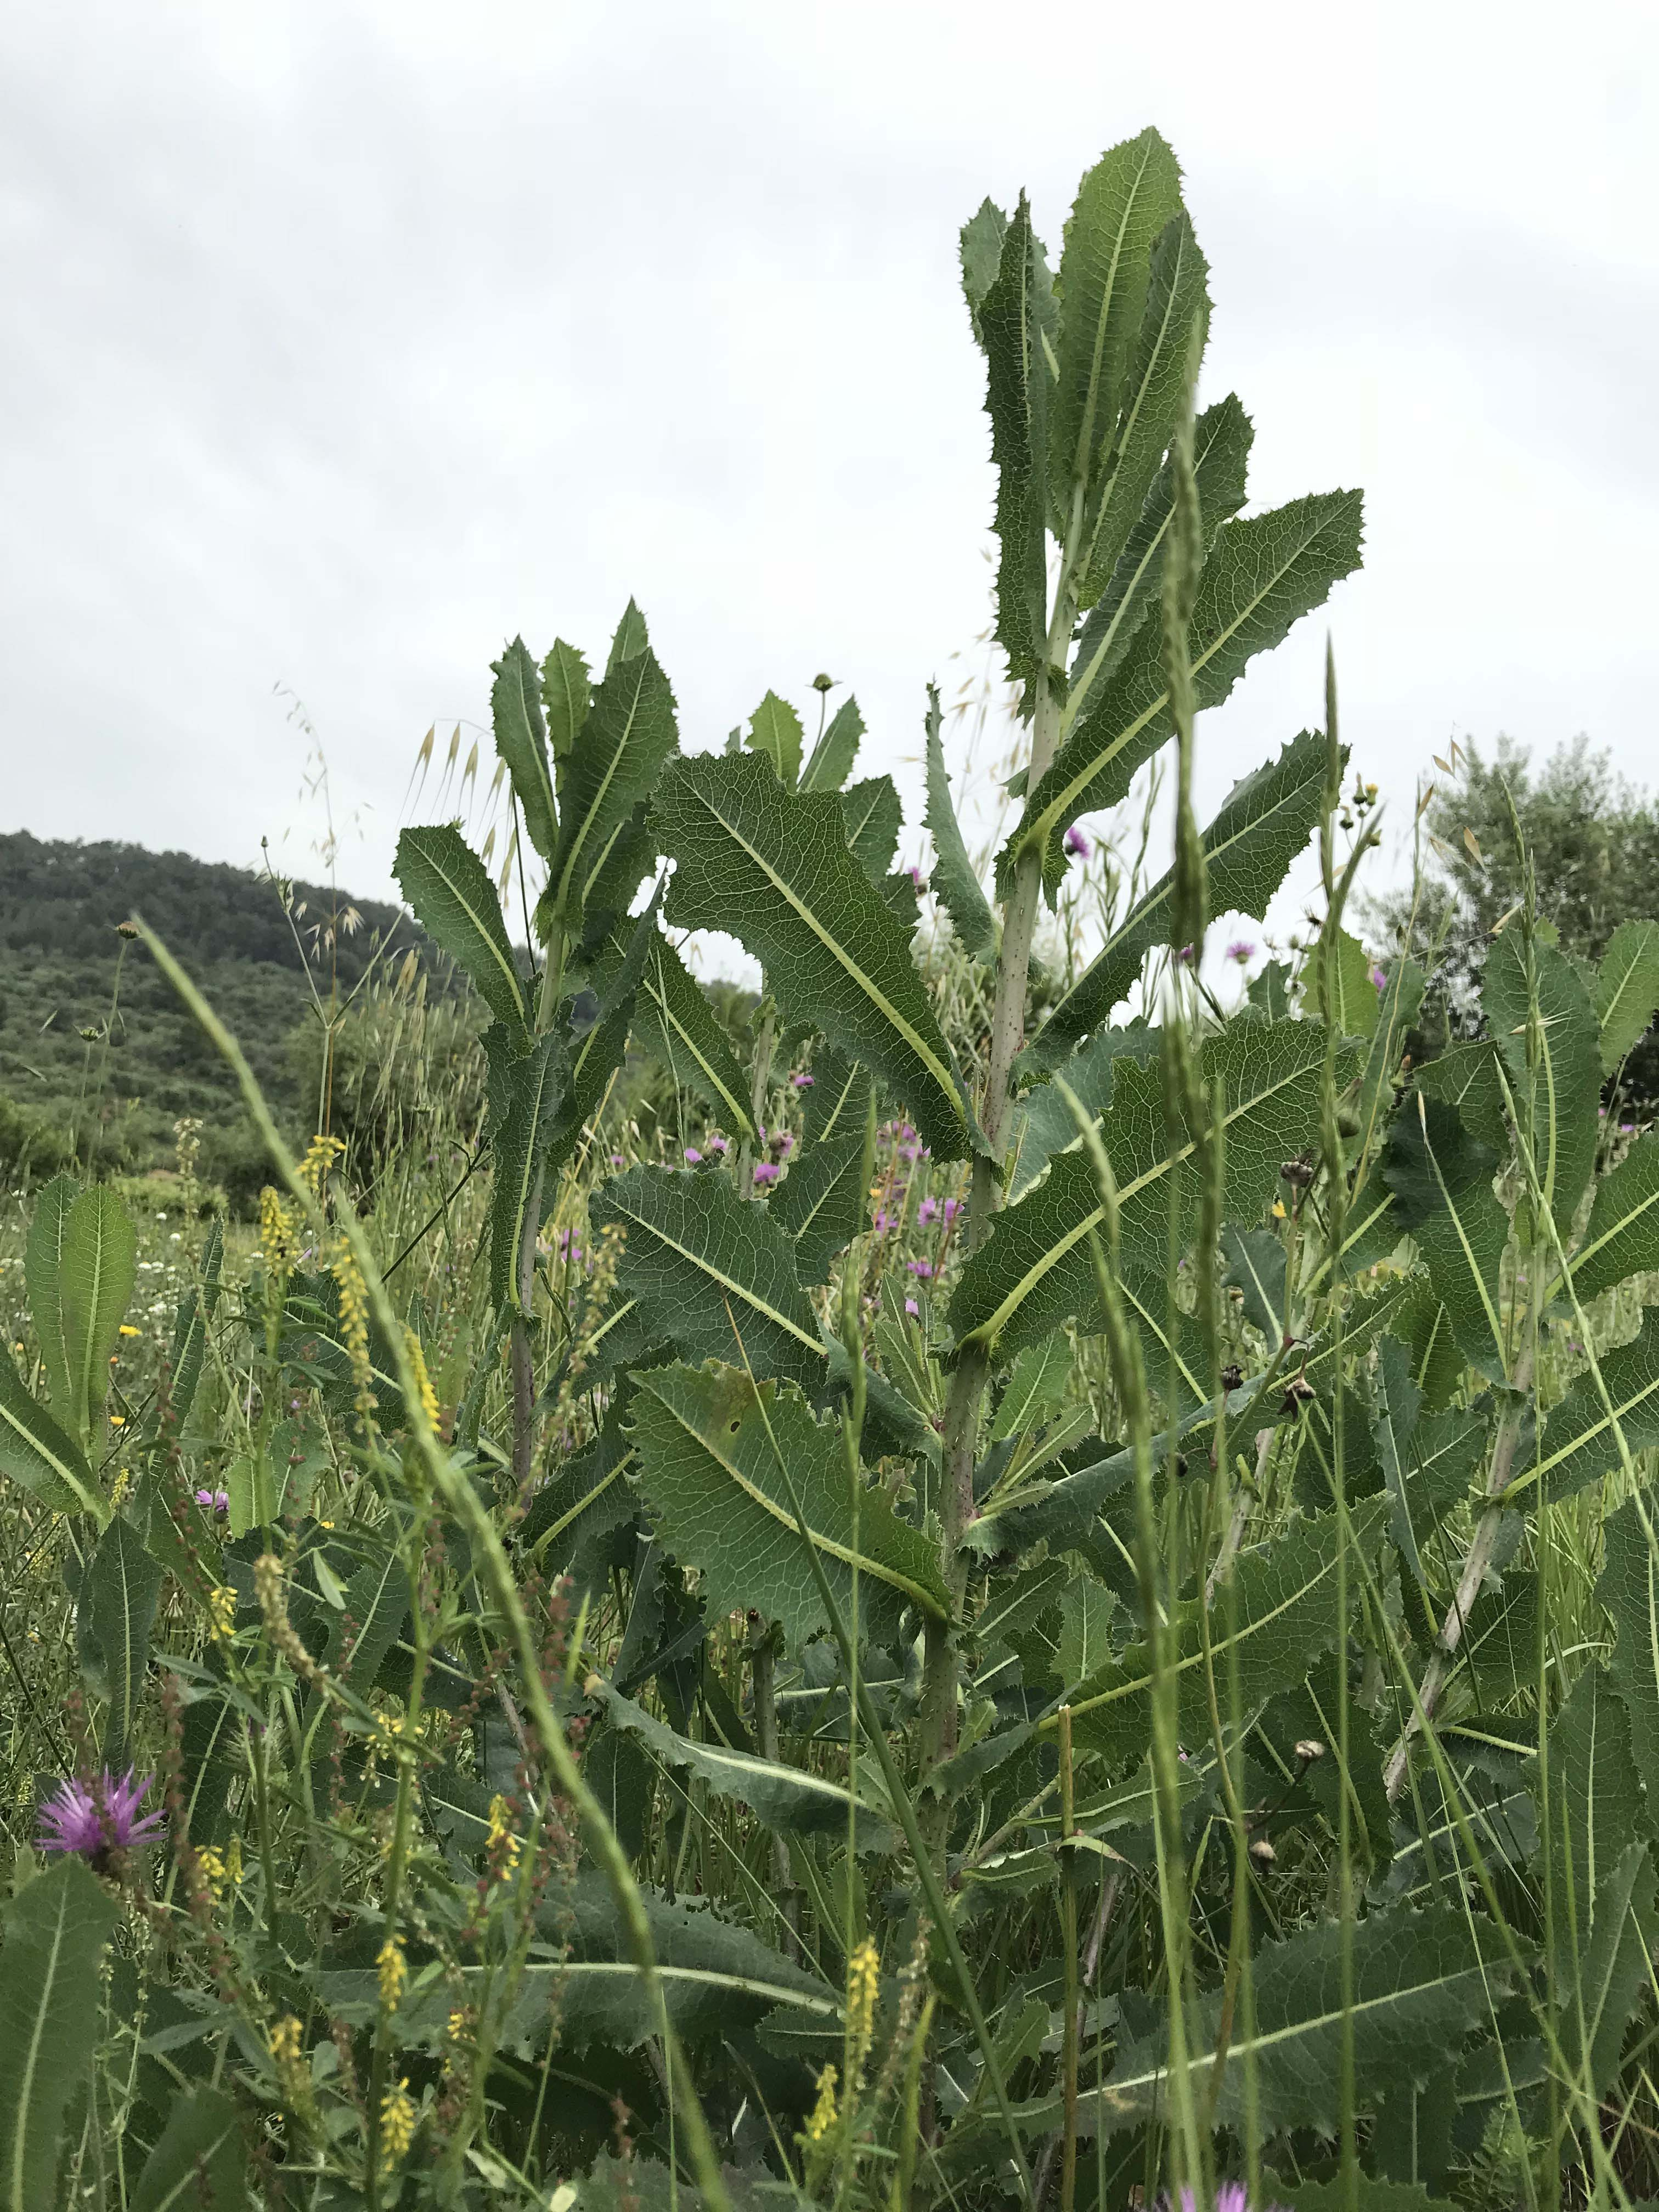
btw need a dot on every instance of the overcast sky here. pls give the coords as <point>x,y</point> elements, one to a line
<point>341,342</point>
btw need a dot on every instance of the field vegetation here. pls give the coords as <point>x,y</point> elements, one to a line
<point>1018,1570</point>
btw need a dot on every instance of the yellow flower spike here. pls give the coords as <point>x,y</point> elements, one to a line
<point>398,2120</point>
<point>422,1380</point>
<point>279,1234</point>
<point>863,1981</point>
<point>825,2113</point>
<point>221,1613</point>
<point>393,1972</point>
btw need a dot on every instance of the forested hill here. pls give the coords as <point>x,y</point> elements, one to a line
<point>67,899</point>
<point>145,1063</point>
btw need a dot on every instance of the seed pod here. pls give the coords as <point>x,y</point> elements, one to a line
<point>1298,1173</point>
<point>1263,1852</point>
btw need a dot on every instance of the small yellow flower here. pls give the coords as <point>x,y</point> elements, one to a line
<point>394,1973</point>
<point>422,1380</point>
<point>502,1835</point>
<point>117,1420</point>
<point>293,2075</point>
<point>863,1977</point>
<point>127,1329</point>
<point>398,2120</point>
<point>1279,1209</point>
<point>221,1613</point>
<point>825,2113</point>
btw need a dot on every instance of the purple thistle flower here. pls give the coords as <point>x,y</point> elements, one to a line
<point>1241,950</point>
<point>951,1207</point>
<point>923,1267</point>
<point>214,1501</point>
<point>766,1171</point>
<point>616,1159</point>
<point>693,1156</point>
<point>804,1082</point>
<point>1380,977</point>
<point>912,1308</point>
<point>99,1817</point>
<point>1077,842</point>
<point>915,877</point>
<point>926,1210</point>
<point>881,1223</point>
<point>717,1144</point>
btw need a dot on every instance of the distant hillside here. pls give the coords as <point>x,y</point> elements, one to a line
<point>256,948</point>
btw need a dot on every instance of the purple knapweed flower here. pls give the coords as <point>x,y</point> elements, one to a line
<point>99,1817</point>
<point>781,1139</point>
<point>717,1144</point>
<point>214,1501</point>
<point>765,1172</point>
<point>1380,977</point>
<point>923,1267</point>
<point>912,1308</point>
<point>804,1082</point>
<point>1230,2197</point>
<point>1241,950</point>
<point>926,1210</point>
<point>881,1223</point>
<point>951,1207</point>
<point>1077,842</point>
<point>616,1159</point>
<point>916,879</point>
<point>693,1156</point>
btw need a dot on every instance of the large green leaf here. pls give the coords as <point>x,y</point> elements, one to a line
<point>676,1025</point>
<point>979,252</point>
<point>1580,1442</point>
<point>200,2163</point>
<point>713,1275</point>
<point>1286,1615</point>
<point>953,878</point>
<point>98,1269</point>
<point>1160,371</point>
<point>1593,1809</point>
<point>1043,1122</point>
<point>1013,317</point>
<point>709,1444</point>
<point>1442,1180</point>
<point>790,1799</point>
<point>1421,1985</point>
<point>1122,206</point>
<point>1255,1269</point>
<point>873,818</point>
<point>55,1928</point>
<point>43,1268</point>
<point>515,707</point>
<point>837,749</point>
<point>1626,989</point>
<point>115,1610</point>
<point>772,867</point>
<point>567,693</point>
<point>717,1979</point>
<point>1248,848</point>
<point>1621,1237</point>
<point>454,902</point>
<point>1350,986</point>
<point>631,732</point>
<point>775,732</point>
<point>1566,1092</point>
<point>822,1204</point>
<point>1034,1269</point>
<point>190,1328</point>
<point>1609,1976</point>
<point>37,1455</point>
<point>1262,575</point>
<point>1629,1589</point>
<point>541,1082</point>
<point>1221,452</point>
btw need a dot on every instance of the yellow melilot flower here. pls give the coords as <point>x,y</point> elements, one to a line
<point>212,1864</point>
<point>825,2113</point>
<point>320,1155</point>
<point>221,1613</point>
<point>399,2118</point>
<point>354,1323</point>
<point>394,1973</point>
<point>422,1380</point>
<point>279,1237</point>
<point>863,1978</point>
<point>501,1832</point>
